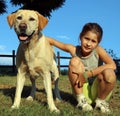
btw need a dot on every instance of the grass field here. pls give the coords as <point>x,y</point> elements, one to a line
<point>39,106</point>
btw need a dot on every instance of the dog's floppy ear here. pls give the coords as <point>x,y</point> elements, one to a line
<point>10,19</point>
<point>42,21</point>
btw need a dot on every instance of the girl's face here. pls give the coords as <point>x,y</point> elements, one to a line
<point>89,42</point>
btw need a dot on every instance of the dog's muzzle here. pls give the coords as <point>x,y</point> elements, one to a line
<point>23,37</point>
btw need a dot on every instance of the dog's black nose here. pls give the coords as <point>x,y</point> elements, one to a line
<point>22,27</point>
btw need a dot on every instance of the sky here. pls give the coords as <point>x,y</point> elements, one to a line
<point>66,23</point>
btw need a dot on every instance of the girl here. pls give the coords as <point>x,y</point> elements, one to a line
<point>90,62</point>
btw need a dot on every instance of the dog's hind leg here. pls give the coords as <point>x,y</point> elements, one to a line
<point>33,90</point>
<point>55,77</point>
<point>56,91</point>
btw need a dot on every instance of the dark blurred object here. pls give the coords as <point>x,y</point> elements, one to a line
<point>44,7</point>
<point>2,6</point>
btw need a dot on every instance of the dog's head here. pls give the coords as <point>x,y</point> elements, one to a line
<point>26,23</point>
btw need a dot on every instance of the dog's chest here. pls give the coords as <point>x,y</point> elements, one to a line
<point>38,60</point>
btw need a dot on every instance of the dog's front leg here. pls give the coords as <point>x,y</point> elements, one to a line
<point>48,88</point>
<point>19,88</point>
<point>33,90</point>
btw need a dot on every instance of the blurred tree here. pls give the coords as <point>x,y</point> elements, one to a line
<point>117,61</point>
<point>44,7</point>
<point>2,6</point>
<point>64,72</point>
<point>112,54</point>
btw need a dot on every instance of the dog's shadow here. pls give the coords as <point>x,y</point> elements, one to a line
<point>40,94</point>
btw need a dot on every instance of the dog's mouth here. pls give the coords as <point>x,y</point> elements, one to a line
<point>24,37</point>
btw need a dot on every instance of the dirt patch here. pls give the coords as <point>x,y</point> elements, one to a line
<point>115,99</point>
<point>5,86</point>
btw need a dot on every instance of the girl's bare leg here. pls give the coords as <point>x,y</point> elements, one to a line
<point>107,80</point>
<point>75,68</point>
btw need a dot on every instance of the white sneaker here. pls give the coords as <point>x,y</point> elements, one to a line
<point>83,105</point>
<point>102,105</point>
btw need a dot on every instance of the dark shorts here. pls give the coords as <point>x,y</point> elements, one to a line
<point>91,80</point>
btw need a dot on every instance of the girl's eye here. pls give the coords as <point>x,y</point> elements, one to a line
<point>31,19</point>
<point>93,41</point>
<point>19,17</point>
<point>87,38</point>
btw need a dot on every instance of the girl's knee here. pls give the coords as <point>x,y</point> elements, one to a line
<point>109,75</point>
<point>76,64</point>
<point>75,61</point>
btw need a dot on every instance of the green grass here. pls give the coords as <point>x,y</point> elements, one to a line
<point>39,106</point>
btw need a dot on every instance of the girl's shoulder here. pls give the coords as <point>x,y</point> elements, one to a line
<point>100,50</point>
<point>78,50</point>
<point>72,50</point>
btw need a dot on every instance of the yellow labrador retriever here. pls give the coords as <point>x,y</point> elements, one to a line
<point>35,56</point>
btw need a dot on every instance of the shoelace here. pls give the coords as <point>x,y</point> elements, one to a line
<point>104,104</point>
<point>84,101</point>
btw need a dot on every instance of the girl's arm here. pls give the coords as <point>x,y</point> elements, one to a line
<point>65,47</point>
<point>107,62</point>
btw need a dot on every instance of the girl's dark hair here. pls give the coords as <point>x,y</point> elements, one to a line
<point>95,28</point>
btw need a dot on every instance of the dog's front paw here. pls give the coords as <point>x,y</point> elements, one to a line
<point>29,98</point>
<point>55,110</point>
<point>57,100</point>
<point>14,107</point>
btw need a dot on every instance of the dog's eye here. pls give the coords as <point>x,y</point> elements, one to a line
<point>19,17</point>
<point>31,19</point>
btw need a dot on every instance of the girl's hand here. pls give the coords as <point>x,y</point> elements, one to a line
<point>80,80</point>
